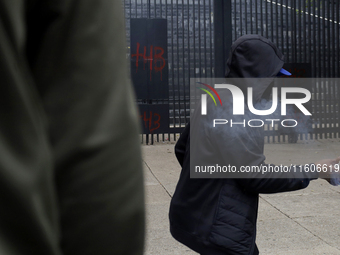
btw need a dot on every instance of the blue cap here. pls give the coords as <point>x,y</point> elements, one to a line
<point>284,72</point>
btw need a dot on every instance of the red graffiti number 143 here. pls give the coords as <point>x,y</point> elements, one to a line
<point>155,58</point>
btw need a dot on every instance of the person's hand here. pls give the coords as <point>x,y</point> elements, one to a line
<point>328,165</point>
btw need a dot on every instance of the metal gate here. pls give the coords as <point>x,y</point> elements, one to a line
<point>307,32</point>
<point>199,36</point>
<point>190,52</point>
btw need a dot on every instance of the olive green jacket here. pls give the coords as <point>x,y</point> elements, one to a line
<point>70,166</point>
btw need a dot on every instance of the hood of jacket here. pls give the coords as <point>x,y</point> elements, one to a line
<point>253,56</point>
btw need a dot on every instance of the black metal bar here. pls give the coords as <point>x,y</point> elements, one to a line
<point>164,101</point>
<point>227,30</point>
<point>293,31</point>
<point>322,90</point>
<point>323,20</point>
<point>315,43</point>
<point>256,18</point>
<point>277,25</point>
<point>287,34</point>
<point>324,35</point>
<point>251,16</point>
<point>329,67</point>
<point>266,11</point>
<point>331,117</point>
<point>310,34</point>
<point>199,39</point>
<point>183,67</point>
<point>305,33</point>
<point>337,36</point>
<point>245,15</point>
<point>282,37</point>
<point>161,8</point>
<point>142,8</point>
<point>178,72</point>
<point>333,39</point>
<point>136,16</point>
<point>210,41</point>
<point>194,36</point>
<point>319,38</point>
<point>261,13</point>
<point>219,38</point>
<point>130,15</point>
<point>235,18</point>
<point>241,18</point>
<point>337,59</point>
<point>222,34</point>
<point>300,32</point>
<point>166,16</point>
<point>205,40</point>
<point>172,66</point>
<point>189,46</point>
<point>189,53</point>
<point>272,21</point>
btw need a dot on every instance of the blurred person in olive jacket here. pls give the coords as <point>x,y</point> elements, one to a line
<point>70,164</point>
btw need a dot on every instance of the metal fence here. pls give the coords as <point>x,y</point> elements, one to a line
<point>190,50</point>
<point>200,32</point>
<point>307,32</point>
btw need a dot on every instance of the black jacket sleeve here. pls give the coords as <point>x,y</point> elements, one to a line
<point>245,148</point>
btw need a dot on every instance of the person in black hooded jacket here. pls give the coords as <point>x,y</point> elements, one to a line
<point>218,216</point>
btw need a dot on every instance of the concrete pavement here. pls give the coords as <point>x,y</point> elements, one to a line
<point>302,222</point>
